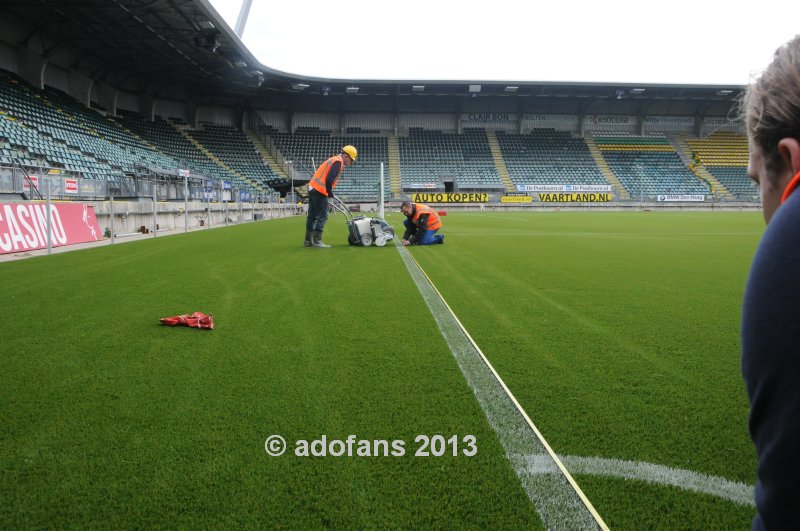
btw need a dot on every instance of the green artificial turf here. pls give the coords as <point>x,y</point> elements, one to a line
<point>108,419</point>
<point>635,505</point>
<point>618,333</point>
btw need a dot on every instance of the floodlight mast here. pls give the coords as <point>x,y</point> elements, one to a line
<point>241,22</point>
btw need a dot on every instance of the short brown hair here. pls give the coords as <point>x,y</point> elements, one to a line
<point>771,105</point>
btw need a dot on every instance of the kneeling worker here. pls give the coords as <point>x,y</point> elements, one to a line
<point>422,223</point>
<point>320,189</point>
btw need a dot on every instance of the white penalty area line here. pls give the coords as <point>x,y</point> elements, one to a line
<point>732,491</point>
<point>648,235</point>
<point>561,505</point>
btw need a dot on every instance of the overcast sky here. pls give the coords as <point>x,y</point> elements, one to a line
<point>618,41</point>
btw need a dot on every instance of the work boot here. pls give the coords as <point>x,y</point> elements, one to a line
<point>441,238</point>
<point>316,239</point>
<point>307,242</point>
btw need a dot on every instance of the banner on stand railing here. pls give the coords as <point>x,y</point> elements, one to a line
<point>681,197</point>
<point>23,226</point>
<point>31,180</point>
<point>70,186</point>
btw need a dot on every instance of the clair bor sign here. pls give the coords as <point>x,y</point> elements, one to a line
<point>23,226</point>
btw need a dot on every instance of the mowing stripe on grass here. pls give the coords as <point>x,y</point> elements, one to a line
<point>557,497</point>
<point>524,220</point>
<point>726,489</point>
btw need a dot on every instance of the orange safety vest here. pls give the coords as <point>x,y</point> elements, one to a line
<point>433,218</point>
<point>790,187</point>
<point>317,182</point>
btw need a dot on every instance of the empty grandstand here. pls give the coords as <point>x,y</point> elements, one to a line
<point>49,130</point>
<point>547,156</point>
<point>648,166</point>
<point>307,148</point>
<point>435,160</point>
<point>166,137</point>
<point>200,107</point>
<point>232,148</point>
<point>724,154</point>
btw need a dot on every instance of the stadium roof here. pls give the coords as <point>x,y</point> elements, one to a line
<point>164,47</point>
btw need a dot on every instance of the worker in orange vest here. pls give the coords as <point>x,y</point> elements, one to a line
<point>320,190</point>
<point>422,222</point>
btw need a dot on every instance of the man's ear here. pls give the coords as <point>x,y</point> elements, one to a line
<point>789,150</point>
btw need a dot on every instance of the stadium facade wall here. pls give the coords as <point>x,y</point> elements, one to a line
<point>94,93</point>
<point>218,116</point>
<point>57,78</point>
<point>712,125</point>
<point>325,121</point>
<point>128,101</point>
<point>8,58</point>
<point>610,123</point>
<point>31,67</point>
<point>510,122</point>
<point>277,119</point>
<point>497,121</point>
<point>437,121</point>
<point>79,87</point>
<point>559,122</point>
<point>669,124</point>
<point>370,121</point>
<point>171,108</point>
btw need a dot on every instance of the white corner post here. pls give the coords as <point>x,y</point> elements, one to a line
<point>380,196</point>
<point>155,217</point>
<point>111,221</point>
<point>49,220</point>
<point>186,201</point>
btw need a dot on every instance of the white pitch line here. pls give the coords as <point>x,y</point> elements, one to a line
<point>720,487</point>
<point>648,235</point>
<point>557,498</point>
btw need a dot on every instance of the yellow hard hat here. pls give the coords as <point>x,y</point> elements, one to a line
<point>352,151</point>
